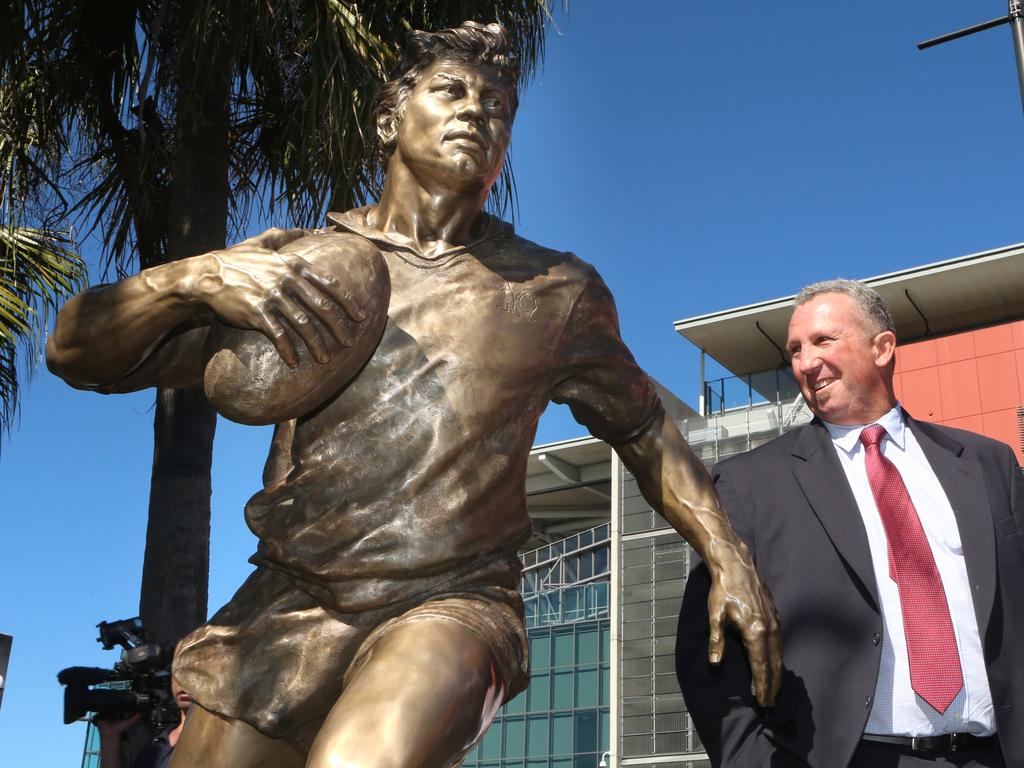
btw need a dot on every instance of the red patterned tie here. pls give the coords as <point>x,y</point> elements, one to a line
<point>935,673</point>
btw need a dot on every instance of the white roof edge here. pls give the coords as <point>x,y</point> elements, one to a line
<point>885,278</point>
<point>563,444</point>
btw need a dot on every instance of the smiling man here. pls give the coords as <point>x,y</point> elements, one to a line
<point>383,624</point>
<point>893,550</point>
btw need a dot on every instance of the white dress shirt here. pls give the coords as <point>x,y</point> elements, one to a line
<point>897,710</point>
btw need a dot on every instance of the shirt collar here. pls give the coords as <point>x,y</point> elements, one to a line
<point>848,437</point>
<point>355,221</point>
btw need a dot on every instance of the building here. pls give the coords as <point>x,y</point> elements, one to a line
<point>606,568</point>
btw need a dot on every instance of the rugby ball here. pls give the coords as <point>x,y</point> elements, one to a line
<point>246,379</point>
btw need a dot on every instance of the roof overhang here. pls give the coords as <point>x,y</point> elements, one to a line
<point>933,300</point>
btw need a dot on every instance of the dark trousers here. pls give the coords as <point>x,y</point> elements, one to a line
<point>874,755</point>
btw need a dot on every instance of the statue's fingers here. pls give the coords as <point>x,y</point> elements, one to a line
<point>716,630</point>
<point>329,314</point>
<point>336,291</point>
<point>757,642</point>
<point>306,328</point>
<point>278,336</point>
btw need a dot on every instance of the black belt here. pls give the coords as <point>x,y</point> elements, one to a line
<point>947,742</point>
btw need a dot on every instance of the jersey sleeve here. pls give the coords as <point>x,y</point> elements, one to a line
<point>601,383</point>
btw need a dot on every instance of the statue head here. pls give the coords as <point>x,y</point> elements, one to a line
<point>471,43</point>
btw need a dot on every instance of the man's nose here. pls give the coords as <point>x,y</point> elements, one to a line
<point>807,362</point>
<point>470,109</point>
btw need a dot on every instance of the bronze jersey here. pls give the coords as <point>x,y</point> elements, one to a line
<point>416,471</point>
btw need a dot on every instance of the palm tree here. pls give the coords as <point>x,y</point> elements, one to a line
<point>161,123</point>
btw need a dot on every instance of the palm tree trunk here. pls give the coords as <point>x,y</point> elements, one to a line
<point>176,566</point>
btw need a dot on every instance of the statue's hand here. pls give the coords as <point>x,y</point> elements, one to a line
<point>740,597</point>
<point>254,285</point>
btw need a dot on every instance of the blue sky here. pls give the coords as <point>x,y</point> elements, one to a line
<point>703,155</point>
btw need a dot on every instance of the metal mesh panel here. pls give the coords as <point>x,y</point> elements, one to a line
<point>653,719</point>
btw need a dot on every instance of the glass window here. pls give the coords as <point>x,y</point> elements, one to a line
<point>586,538</point>
<point>549,611</point>
<point>601,560</point>
<point>539,693</point>
<point>586,565</point>
<point>490,746</point>
<point>570,570</point>
<point>563,647</point>
<point>572,603</point>
<point>572,543</point>
<point>542,763</point>
<point>586,731</point>
<point>587,641</point>
<point>562,690</point>
<point>587,687</point>
<point>537,735</point>
<point>540,650</point>
<point>565,762</point>
<point>561,734</point>
<point>606,642</point>
<point>530,611</point>
<point>515,733</point>
<point>606,729</point>
<point>530,581</point>
<point>601,595</point>
<point>606,686</point>
<point>557,547</point>
<point>601,532</point>
<point>516,706</point>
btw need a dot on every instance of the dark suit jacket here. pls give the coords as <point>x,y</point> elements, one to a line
<point>790,501</point>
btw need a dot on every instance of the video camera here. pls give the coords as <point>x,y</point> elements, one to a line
<point>139,682</point>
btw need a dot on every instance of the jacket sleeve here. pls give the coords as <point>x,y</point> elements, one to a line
<point>719,699</point>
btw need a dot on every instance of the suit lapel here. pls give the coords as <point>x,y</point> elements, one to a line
<point>962,480</point>
<point>821,477</point>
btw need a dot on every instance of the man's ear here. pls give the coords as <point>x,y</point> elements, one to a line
<point>885,348</point>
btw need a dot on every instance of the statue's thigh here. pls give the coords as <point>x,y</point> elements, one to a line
<point>420,696</point>
<point>209,740</point>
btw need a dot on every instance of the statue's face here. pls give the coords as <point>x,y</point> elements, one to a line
<point>457,125</point>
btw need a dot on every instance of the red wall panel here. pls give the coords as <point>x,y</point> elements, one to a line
<point>971,380</point>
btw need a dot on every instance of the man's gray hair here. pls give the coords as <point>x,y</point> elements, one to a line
<point>872,306</point>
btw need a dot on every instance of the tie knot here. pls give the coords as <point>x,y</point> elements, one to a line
<point>872,436</point>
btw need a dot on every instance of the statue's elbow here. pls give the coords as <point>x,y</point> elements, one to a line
<point>61,361</point>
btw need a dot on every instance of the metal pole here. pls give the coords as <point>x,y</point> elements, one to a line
<point>963,32</point>
<point>1017,23</point>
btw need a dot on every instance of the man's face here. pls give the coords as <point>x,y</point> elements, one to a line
<point>181,699</point>
<point>843,370</point>
<point>457,125</point>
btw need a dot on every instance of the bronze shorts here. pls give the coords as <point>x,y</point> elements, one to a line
<point>277,659</point>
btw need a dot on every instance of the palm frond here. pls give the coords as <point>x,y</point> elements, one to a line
<point>38,269</point>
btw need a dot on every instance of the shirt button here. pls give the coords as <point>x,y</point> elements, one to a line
<point>867,703</point>
<point>876,638</point>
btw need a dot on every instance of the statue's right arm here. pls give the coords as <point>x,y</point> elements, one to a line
<point>149,329</point>
<point>107,332</point>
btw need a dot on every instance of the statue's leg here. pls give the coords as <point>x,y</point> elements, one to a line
<point>420,696</point>
<point>209,740</point>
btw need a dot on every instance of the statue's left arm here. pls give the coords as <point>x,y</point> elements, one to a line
<point>616,400</point>
<point>675,483</point>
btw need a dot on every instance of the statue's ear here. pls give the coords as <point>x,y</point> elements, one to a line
<point>387,129</point>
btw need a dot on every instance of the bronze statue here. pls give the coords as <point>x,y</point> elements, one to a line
<point>383,625</point>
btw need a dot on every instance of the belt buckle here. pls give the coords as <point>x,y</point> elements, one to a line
<point>934,743</point>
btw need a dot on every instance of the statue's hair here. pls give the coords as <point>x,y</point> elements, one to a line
<point>470,43</point>
<point>875,311</point>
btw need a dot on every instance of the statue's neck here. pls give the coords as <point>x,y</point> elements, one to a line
<point>432,214</point>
